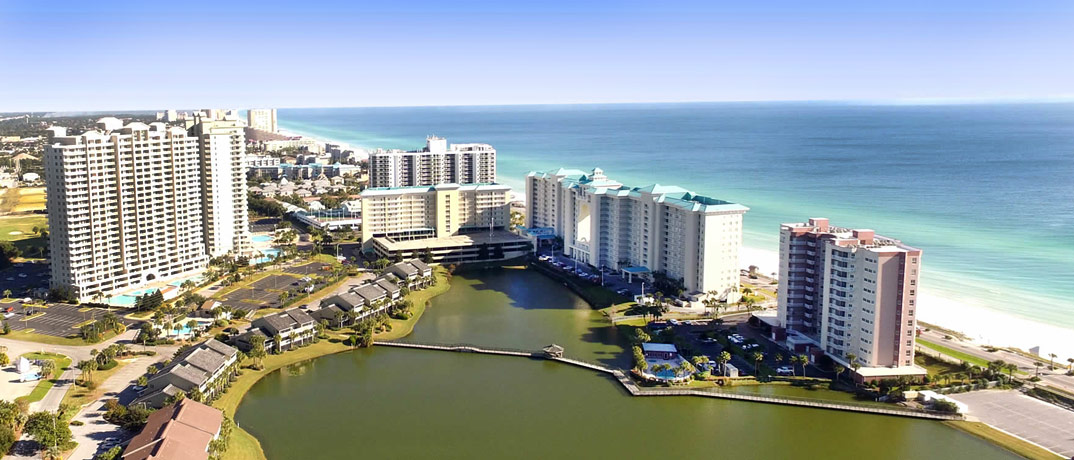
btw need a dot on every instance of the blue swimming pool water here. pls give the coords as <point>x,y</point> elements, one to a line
<point>267,255</point>
<point>261,239</point>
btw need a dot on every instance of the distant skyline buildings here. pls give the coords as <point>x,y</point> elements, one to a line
<point>262,119</point>
<point>691,51</point>
<point>438,163</point>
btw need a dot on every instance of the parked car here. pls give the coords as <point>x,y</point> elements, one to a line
<point>784,370</point>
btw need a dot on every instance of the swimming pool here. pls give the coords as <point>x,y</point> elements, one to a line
<point>130,297</point>
<point>267,255</point>
<point>261,239</point>
<point>196,280</point>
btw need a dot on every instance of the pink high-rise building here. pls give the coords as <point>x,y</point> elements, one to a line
<point>850,292</point>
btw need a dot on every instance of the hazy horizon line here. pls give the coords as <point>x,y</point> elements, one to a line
<point>923,101</point>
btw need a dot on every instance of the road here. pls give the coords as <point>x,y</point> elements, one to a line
<point>54,397</point>
<point>1054,378</point>
<point>75,352</point>
<point>94,429</point>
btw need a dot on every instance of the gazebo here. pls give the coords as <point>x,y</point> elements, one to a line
<point>632,271</point>
<point>553,351</point>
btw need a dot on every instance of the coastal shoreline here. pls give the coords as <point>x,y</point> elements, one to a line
<point>984,324</point>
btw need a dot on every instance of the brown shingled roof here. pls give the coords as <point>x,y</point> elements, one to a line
<point>180,431</point>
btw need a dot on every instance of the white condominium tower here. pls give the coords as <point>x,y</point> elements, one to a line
<point>660,229</point>
<point>851,292</point>
<point>124,206</point>
<point>437,163</point>
<point>262,119</point>
<point>222,145</point>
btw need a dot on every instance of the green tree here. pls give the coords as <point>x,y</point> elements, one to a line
<point>839,369</point>
<point>49,430</point>
<point>724,358</point>
<point>4,359</point>
<point>7,293</point>
<point>757,358</point>
<point>804,361</point>
<point>87,367</point>
<point>143,381</point>
<point>257,348</point>
<point>794,362</point>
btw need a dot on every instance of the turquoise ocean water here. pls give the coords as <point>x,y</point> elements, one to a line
<point>986,190</point>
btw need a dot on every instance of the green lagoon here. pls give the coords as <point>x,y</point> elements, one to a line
<point>400,403</point>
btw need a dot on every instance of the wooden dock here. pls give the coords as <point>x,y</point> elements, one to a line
<point>632,387</point>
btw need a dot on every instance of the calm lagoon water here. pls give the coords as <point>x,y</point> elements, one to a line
<point>398,403</point>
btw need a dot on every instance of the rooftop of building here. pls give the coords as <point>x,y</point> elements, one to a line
<point>659,347</point>
<point>181,430</point>
<point>850,237</point>
<point>469,239</point>
<point>597,183</point>
<point>480,187</point>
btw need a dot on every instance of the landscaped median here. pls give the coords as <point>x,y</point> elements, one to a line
<point>953,353</point>
<point>61,362</point>
<point>243,445</point>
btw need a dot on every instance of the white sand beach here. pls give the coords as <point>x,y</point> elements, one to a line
<point>984,325</point>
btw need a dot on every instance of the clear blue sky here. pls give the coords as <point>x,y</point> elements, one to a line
<point>110,55</point>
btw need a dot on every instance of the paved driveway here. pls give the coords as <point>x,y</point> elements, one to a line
<point>1024,416</point>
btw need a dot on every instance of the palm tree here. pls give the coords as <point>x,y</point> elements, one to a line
<point>853,360</point>
<point>279,343</point>
<point>779,358</point>
<point>1051,361</point>
<point>804,361</point>
<point>1070,364</point>
<point>794,362</point>
<point>757,358</point>
<point>1038,365</point>
<point>7,293</point>
<point>839,369</point>
<point>724,358</point>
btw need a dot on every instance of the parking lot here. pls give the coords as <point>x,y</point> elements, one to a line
<point>264,225</point>
<point>1023,416</point>
<point>21,278</point>
<point>58,320</point>
<point>308,269</point>
<point>612,280</point>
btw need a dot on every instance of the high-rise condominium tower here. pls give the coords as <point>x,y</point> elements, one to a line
<point>262,119</point>
<point>222,146</point>
<point>657,228</point>
<point>124,206</point>
<point>852,292</point>
<point>437,163</point>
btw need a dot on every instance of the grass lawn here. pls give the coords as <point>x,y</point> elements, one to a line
<point>80,395</point>
<point>242,445</point>
<point>45,384</point>
<point>1014,444</point>
<point>936,367</point>
<point>30,336</point>
<point>19,230</point>
<point>954,353</point>
<point>30,199</point>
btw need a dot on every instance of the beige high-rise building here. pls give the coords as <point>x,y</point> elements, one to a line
<point>124,207</point>
<point>850,292</point>
<point>407,213</point>
<point>262,119</point>
<point>222,145</point>
<point>663,229</point>
<point>437,163</point>
<point>446,223</point>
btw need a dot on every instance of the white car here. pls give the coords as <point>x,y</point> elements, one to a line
<point>784,370</point>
